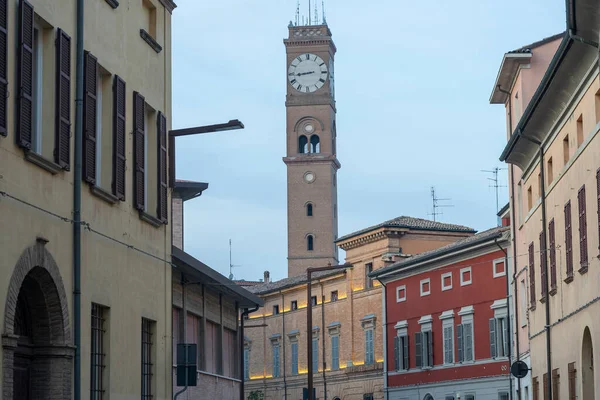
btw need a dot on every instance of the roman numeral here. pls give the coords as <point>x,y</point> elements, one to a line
<point>299,59</point>
<point>292,74</point>
<point>322,80</point>
<point>293,82</point>
<point>320,65</point>
<point>308,56</point>
<point>299,87</point>
<point>307,89</point>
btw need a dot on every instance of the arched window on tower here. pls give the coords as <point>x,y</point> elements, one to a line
<point>310,243</point>
<point>309,210</point>
<point>315,145</point>
<point>302,144</point>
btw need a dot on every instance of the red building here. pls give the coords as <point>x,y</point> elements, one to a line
<point>446,321</point>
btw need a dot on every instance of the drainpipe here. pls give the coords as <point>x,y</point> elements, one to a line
<point>283,343</point>
<point>323,340</point>
<point>244,314</point>
<point>77,203</point>
<point>384,322</point>
<point>510,381</point>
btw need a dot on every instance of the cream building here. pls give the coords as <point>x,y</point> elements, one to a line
<point>98,328</point>
<point>552,96</point>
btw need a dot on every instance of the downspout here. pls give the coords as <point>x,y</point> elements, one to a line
<point>184,312</point>
<point>283,344</point>
<point>243,373</point>
<point>510,381</point>
<point>77,202</point>
<point>323,341</point>
<point>385,357</point>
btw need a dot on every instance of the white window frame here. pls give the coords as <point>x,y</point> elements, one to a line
<point>425,281</point>
<point>464,282</point>
<point>447,318</point>
<point>398,290</point>
<point>402,333</point>
<point>466,314</point>
<point>496,262</point>
<point>444,276</point>
<point>426,326</point>
<point>500,308</point>
<point>523,300</point>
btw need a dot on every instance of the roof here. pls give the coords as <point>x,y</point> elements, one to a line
<point>576,56</point>
<point>479,238</point>
<point>290,282</point>
<point>503,210</point>
<point>188,190</point>
<point>412,223</point>
<point>529,47</point>
<point>206,275</point>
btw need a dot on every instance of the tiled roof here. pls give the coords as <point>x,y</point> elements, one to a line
<point>461,244</point>
<point>412,223</point>
<point>527,48</point>
<point>247,283</point>
<point>289,282</point>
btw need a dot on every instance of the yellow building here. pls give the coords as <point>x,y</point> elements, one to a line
<point>85,306</point>
<point>552,97</point>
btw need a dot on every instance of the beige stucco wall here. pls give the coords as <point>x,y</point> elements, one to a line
<point>131,284</point>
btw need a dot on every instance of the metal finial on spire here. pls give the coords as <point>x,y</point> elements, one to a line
<point>309,12</point>
<point>323,12</point>
<point>298,13</point>
<point>316,13</point>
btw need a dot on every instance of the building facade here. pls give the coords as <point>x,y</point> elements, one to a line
<point>552,150</point>
<point>117,299</point>
<point>346,336</point>
<point>446,321</point>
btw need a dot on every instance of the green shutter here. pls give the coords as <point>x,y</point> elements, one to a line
<point>493,348</point>
<point>419,349</point>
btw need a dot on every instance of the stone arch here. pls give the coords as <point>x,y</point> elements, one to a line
<point>587,365</point>
<point>302,122</point>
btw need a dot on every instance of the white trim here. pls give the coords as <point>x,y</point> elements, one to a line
<point>467,310</point>
<point>401,324</point>
<point>500,308</point>
<point>496,262</point>
<point>499,304</point>
<point>444,276</point>
<point>448,323</point>
<point>425,281</point>
<point>398,290</point>
<point>465,282</point>
<point>401,328</point>
<point>447,314</point>
<point>425,322</point>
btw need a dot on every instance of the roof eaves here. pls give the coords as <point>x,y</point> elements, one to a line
<point>188,190</point>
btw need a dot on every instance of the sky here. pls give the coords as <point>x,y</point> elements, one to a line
<point>413,82</point>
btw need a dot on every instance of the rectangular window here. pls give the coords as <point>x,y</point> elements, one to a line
<point>583,250</point>
<point>246,363</point>
<point>213,348</point>
<point>401,293</point>
<point>424,349</point>
<point>471,397</point>
<point>275,309</point>
<point>97,360</point>
<point>313,300</point>
<point>572,381</point>
<point>369,347</point>
<point>545,388</point>
<point>499,268</point>
<point>449,344</point>
<point>295,358</point>
<point>447,281</point>
<point>465,276</point>
<point>294,305</point>
<point>503,396</point>
<point>520,202</point>
<point>579,131</point>
<point>425,287</point>
<point>368,270</point>
<point>550,171</point>
<point>498,337</point>
<point>334,295</point>
<point>368,396</point>
<point>148,328</point>
<point>523,299</point>
<point>531,276</point>
<point>529,199</point>
<point>335,353</point>
<point>543,266</point>
<point>566,153</point>
<point>464,336</point>
<point>568,242</point>
<point>315,355</point>
<point>193,333</point>
<point>552,246</point>
<point>555,384</point>
<point>276,360</point>
<point>229,352</point>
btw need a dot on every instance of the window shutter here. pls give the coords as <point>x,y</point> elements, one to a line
<point>543,278</point>
<point>315,355</point>
<point>572,381</point>
<point>119,136</point>
<point>460,340</point>
<point>552,255</point>
<point>396,353</point>
<point>531,275</point>
<point>3,66</point>
<point>583,253</point>
<point>545,388</point>
<point>536,388</point>
<point>335,358</point>
<point>139,120</point>
<point>568,239</point>
<point>90,117</point>
<point>468,333</point>
<point>161,130</point>
<point>405,352</point>
<point>493,352</point>
<point>62,150</point>
<point>430,348</point>
<point>419,349</point>
<point>25,76</point>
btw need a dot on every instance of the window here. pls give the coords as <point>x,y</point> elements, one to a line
<point>499,336</point>
<point>230,344</point>
<point>401,293</point>
<point>334,295</point>
<point>545,383</point>
<point>552,247</point>
<point>368,396</point>
<point>315,354</point>
<point>583,250</point>
<point>276,360</point>
<point>335,352</point>
<point>309,243</point>
<point>315,145</point>
<point>213,348</point>
<point>580,130</point>
<point>568,242</point>
<point>499,268</point>
<point>550,171</point>
<point>543,266</point>
<point>401,352</point>
<point>98,355</point>
<point>424,349</point>
<point>246,363</point>
<point>147,358</point>
<point>448,342</point>
<point>531,276</point>
<point>309,210</point>
<point>466,277</point>
<point>529,198</point>
<point>566,154</point>
<point>523,300</point>
<point>302,144</point>
<point>150,12</point>
<point>294,305</point>
<point>38,68</point>
<point>572,381</point>
<point>465,341</point>
<point>426,287</point>
<point>536,388</point>
<point>472,397</point>
<point>368,280</point>
<point>449,397</point>
<point>369,347</point>
<point>193,334</point>
<point>176,332</point>
<point>555,384</point>
<point>295,358</point>
<point>313,300</point>
<point>447,281</point>
<point>503,396</point>
<point>520,202</point>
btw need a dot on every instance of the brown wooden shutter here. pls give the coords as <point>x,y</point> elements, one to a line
<point>568,240</point>
<point>552,235</point>
<point>3,66</point>
<point>555,384</point>
<point>139,156</point>
<point>25,76</point>
<point>90,117</point>
<point>543,276</point>
<point>583,251</point>
<point>536,388</point>
<point>531,275</point>
<point>572,381</point>
<point>171,141</point>
<point>119,136</point>
<point>545,388</point>
<point>62,150</point>
<point>161,134</point>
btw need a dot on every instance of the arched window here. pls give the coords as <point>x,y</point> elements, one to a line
<point>315,145</point>
<point>309,210</point>
<point>302,144</point>
<point>310,243</point>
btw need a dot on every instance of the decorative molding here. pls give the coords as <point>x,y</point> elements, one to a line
<point>113,3</point>
<point>447,314</point>
<point>425,319</point>
<point>293,335</point>
<point>42,162</point>
<point>334,328</point>
<point>155,222</point>
<point>104,195</point>
<point>401,324</point>
<point>368,321</point>
<point>169,5</point>
<point>275,339</point>
<point>150,40</point>
<point>315,332</point>
<point>499,304</point>
<point>466,311</point>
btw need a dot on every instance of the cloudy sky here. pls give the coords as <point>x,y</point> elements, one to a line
<point>413,81</point>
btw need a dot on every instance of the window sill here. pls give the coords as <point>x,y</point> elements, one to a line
<point>553,292</point>
<point>532,307</point>
<point>104,195</point>
<point>583,269</point>
<point>569,279</point>
<point>150,40</point>
<point>426,368</point>
<point>155,222</point>
<point>42,162</point>
<point>543,299</point>
<point>113,3</point>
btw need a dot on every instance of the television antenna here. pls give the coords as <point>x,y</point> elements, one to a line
<point>231,266</point>
<point>495,183</point>
<point>437,205</point>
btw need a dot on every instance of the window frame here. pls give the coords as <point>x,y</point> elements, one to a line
<point>148,327</point>
<point>98,351</point>
<point>423,282</point>
<point>464,282</point>
<point>495,272</point>
<point>399,289</point>
<point>443,277</point>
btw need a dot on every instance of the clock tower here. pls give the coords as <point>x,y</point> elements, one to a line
<point>310,158</point>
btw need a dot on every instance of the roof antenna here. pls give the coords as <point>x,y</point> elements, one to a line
<point>495,184</point>
<point>231,266</point>
<point>298,13</point>
<point>323,12</point>
<point>316,13</point>
<point>309,11</point>
<point>436,206</point>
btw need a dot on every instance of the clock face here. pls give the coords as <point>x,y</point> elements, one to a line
<point>307,73</point>
<point>309,177</point>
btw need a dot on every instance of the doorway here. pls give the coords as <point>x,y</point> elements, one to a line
<point>587,366</point>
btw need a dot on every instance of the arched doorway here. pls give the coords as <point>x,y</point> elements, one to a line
<point>428,397</point>
<point>36,338</point>
<point>587,365</point>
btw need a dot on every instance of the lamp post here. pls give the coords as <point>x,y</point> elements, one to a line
<point>309,272</point>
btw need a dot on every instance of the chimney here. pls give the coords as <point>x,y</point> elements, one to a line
<point>267,277</point>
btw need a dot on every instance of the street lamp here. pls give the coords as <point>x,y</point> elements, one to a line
<point>309,272</point>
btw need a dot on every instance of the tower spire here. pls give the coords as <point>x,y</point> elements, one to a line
<point>323,12</point>
<point>316,13</point>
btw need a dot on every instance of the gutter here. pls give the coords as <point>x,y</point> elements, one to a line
<point>384,322</point>
<point>242,364</point>
<point>508,302</point>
